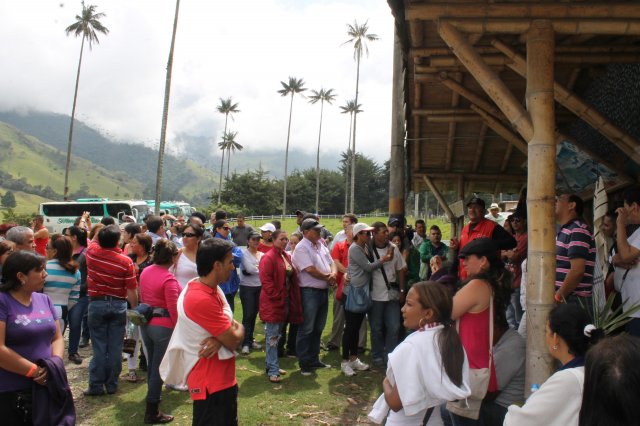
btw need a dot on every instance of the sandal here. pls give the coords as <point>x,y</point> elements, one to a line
<point>275,379</point>
<point>282,372</point>
<point>132,377</point>
<point>159,418</point>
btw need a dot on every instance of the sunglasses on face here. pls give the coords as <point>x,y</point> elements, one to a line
<point>188,234</point>
<point>226,228</point>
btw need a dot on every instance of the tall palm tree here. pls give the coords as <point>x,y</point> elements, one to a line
<point>87,25</point>
<point>295,85</point>
<point>322,96</point>
<point>351,108</point>
<point>228,144</point>
<point>226,107</point>
<point>358,36</point>
<point>165,109</point>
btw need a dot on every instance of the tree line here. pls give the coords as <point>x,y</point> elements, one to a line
<point>254,192</point>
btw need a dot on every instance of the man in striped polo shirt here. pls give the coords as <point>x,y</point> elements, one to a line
<point>575,253</point>
<point>111,278</point>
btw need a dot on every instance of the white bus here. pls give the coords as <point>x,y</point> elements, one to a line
<point>60,215</point>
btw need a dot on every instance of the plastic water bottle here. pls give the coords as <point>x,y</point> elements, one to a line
<point>534,388</point>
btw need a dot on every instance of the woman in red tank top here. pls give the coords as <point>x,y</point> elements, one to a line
<point>40,235</point>
<point>487,280</point>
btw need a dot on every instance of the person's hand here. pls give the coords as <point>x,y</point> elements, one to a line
<point>347,279</point>
<point>208,347</point>
<point>453,243</point>
<point>331,279</point>
<point>621,220</point>
<point>40,377</point>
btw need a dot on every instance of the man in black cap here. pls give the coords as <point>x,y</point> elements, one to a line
<point>479,226</point>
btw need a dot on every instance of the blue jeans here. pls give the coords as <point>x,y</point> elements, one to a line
<point>315,304</point>
<point>107,321</point>
<point>384,319</point>
<point>272,334</point>
<point>75,323</point>
<point>514,309</point>
<point>156,339</point>
<point>250,300</point>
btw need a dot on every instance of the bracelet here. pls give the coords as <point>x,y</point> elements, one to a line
<point>32,370</point>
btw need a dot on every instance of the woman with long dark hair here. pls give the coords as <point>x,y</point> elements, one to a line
<point>488,285</point>
<point>78,315</point>
<point>63,276</point>
<point>611,383</point>
<point>429,367</point>
<point>160,290</point>
<point>185,268</point>
<point>29,331</point>
<point>558,401</point>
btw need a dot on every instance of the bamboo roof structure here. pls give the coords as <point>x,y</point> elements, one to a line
<point>457,136</point>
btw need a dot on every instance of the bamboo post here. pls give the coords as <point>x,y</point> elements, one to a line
<point>541,163</point>
<point>439,197</point>
<point>579,26</point>
<point>397,169</point>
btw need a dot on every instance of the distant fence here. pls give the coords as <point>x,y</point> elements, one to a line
<point>326,216</point>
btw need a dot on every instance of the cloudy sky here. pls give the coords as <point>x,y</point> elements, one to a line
<point>238,48</point>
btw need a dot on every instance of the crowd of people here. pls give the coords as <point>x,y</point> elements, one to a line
<point>446,322</point>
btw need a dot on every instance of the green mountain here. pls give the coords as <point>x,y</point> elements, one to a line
<point>133,166</point>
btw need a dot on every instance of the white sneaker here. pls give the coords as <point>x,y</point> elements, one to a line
<point>359,365</point>
<point>345,366</point>
<point>256,345</point>
<point>245,350</point>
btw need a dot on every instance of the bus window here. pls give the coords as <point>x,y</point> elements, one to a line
<point>117,210</point>
<point>72,210</point>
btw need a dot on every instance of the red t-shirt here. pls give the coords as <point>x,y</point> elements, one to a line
<point>340,253</point>
<point>262,247</point>
<point>109,272</point>
<point>204,306</point>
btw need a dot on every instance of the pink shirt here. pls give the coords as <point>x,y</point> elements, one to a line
<point>160,289</point>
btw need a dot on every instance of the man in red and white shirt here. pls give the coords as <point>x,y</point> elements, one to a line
<point>212,381</point>
<point>111,279</point>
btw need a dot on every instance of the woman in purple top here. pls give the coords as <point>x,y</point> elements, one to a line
<point>29,331</point>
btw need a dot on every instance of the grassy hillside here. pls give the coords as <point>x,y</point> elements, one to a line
<point>135,160</point>
<point>40,165</point>
<point>26,203</point>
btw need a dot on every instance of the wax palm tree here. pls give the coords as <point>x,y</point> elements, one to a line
<point>87,25</point>
<point>295,85</point>
<point>321,96</point>
<point>350,108</point>
<point>229,144</point>
<point>228,108</point>
<point>165,108</point>
<point>358,36</point>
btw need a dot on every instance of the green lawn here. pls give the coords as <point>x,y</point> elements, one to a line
<point>326,398</point>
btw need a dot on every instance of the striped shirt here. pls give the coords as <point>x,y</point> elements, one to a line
<point>62,286</point>
<point>575,241</point>
<point>110,272</point>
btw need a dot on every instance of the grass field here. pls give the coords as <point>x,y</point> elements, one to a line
<point>326,398</point>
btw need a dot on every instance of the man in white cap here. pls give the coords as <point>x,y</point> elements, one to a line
<point>495,215</point>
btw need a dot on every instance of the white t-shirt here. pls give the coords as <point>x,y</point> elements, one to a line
<point>631,285</point>
<point>250,265</point>
<point>379,292</point>
<point>185,270</point>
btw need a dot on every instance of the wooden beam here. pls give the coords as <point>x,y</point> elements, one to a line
<point>458,118</point>
<point>432,11</point>
<point>455,68</point>
<point>620,138</point>
<point>568,58</point>
<point>562,26</point>
<point>416,32</point>
<point>481,140</point>
<point>495,125</point>
<point>541,182</point>
<point>442,111</point>
<point>469,177</point>
<point>573,78</point>
<point>488,80</point>
<point>455,98</point>
<point>439,197</point>
<point>417,145</point>
<point>397,159</point>
<point>470,96</point>
<point>444,51</point>
<point>507,156</point>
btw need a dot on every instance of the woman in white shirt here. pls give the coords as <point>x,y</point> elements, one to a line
<point>429,367</point>
<point>250,287</point>
<point>185,268</point>
<point>558,401</point>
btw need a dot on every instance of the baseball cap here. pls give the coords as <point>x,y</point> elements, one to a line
<point>268,227</point>
<point>394,221</point>
<point>494,206</point>
<point>478,201</point>
<point>310,224</point>
<point>254,234</point>
<point>361,226</point>
<point>480,247</point>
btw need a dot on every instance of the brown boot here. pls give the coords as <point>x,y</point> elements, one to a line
<point>153,415</point>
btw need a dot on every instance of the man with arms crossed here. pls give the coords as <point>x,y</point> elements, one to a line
<point>212,381</point>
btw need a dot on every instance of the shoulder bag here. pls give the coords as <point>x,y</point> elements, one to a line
<point>359,298</point>
<point>478,380</point>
